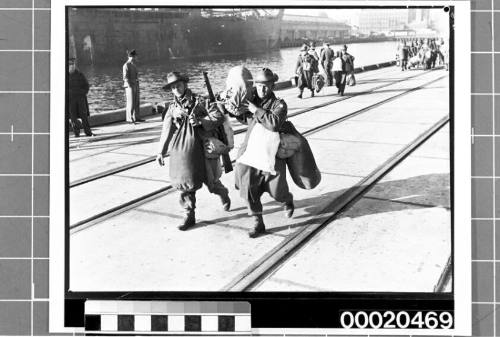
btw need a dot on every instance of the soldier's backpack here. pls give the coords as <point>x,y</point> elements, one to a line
<point>307,62</point>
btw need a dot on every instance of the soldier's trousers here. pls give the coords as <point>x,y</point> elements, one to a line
<point>132,108</point>
<point>78,111</point>
<point>252,183</point>
<point>187,198</point>
<point>329,75</point>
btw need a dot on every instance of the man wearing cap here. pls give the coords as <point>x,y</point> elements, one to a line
<point>326,60</point>
<point>187,107</point>
<point>78,107</point>
<point>271,112</point>
<point>305,68</point>
<point>131,85</point>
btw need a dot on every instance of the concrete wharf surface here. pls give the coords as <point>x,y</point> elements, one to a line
<point>142,249</point>
<point>89,156</point>
<point>396,238</point>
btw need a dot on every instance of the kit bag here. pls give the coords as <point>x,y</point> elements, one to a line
<point>214,147</point>
<point>289,142</point>
<point>262,146</point>
<point>187,161</point>
<point>301,165</point>
<point>318,82</point>
<point>351,80</point>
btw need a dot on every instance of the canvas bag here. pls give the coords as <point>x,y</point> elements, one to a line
<point>289,143</point>
<point>351,80</point>
<point>262,146</point>
<point>318,82</point>
<point>213,148</point>
<point>301,165</point>
<point>187,160</point>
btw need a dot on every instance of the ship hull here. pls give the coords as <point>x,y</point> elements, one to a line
<point>103,36</point>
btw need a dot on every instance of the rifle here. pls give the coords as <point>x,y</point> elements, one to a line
<point>226,160</point>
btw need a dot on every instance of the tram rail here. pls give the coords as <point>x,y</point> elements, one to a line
<point>97,218</point>
<point>260,270</point>
<point>150,159</point>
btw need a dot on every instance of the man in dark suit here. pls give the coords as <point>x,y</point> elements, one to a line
<point>131,85</point>
<point>78,107</point>
<point>326,60</point>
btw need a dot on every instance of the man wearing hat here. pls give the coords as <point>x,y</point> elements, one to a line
<point>349,60</point>
<point>305,68</point>
<point>187,107</point>
<point>78,107</point>
<point>326,60</point>
<point>271,112</point>
<point>131,85</point>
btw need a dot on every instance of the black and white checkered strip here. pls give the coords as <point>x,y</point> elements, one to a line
<point>160,317</point>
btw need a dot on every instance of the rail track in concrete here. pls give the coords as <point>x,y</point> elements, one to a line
<point>151,159</point>
<point>121,208</point>
<point>260,270</point>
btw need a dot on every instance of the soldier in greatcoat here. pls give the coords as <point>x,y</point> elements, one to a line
<point>188,107</point>
<point>305,67</point>
<point>271,112</point>
<point>78,88</point>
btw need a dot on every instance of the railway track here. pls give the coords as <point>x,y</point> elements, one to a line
<point>150,159</point>
<point>260,270</point>
<point>90,221</point>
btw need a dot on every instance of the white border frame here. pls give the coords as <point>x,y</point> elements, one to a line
<point>462,167</point>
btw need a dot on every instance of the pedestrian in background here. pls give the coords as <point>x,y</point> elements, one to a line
<point>326,61</point>
<point>305,68</point>
<point>77,104</point>
<point>339,74</point>
<point>405,53</point>
<point>271,112</point>
<point>131,85</point>
<point>348,67</point>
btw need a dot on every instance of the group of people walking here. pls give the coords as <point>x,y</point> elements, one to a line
<point>424,53</point>
<point>336,66</point>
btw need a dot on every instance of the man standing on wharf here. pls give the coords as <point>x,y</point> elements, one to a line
<point>271,112</point>
<point>131,85</point>
<point>77,104</point>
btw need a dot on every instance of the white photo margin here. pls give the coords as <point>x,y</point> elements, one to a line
<point>462,153</point>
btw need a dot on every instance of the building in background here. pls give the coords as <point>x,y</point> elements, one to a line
<point>382,21</point>
<point>401,22</point>
<point>296,29</point>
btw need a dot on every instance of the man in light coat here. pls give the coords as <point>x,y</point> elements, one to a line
<point>131,85</point>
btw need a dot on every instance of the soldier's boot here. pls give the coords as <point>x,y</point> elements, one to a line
<point>300,94</point>
<point>259,227</point>
<point>188,222</point>
<point>312,92</point>
<point>226,202</point>
<point>289,209</point>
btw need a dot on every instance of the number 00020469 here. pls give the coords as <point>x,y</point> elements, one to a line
<point>396,320</point>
